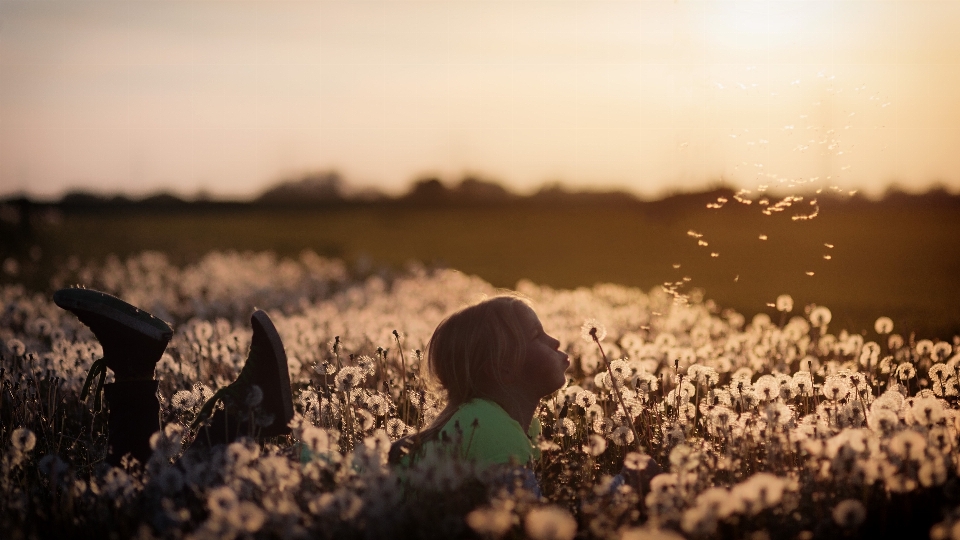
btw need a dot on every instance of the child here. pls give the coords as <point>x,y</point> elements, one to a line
<point>133,342</point>
<point>496,363</point>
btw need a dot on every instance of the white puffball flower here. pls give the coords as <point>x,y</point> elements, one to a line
<point>222,501</point>
<point>820,316</point>
<point>590,328</point>
<point>595,445</point>
<point>849,513</point>
<point>23,440</point>
<point>490,522</point>
<point>883,326</point>
<point>550,523</point>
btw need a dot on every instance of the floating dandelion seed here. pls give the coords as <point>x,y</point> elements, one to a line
<point>714,254</point>
<point>827,257</point>
<point>702,243</point>
<point>676,266</point>
<point>809,273</point>
<point>763,237</point>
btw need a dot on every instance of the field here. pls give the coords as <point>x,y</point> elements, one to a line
<point>896,257</point>
<point>786,421</point>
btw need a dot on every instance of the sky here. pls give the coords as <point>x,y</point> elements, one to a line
<point>228,97</point>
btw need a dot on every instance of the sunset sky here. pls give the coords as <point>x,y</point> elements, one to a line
<point>228,97</point>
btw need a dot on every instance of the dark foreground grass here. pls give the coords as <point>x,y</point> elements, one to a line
<point>898,257</point>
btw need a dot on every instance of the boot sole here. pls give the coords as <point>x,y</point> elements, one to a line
<point>262,320</point>
<point>80,301</point>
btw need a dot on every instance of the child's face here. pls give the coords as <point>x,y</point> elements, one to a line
<point>542,370</point>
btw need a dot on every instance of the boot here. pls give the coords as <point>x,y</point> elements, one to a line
<point>133,342</point>
<point>259,403</point>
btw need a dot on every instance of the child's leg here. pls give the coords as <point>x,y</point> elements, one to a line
<point>263,411</point>
<point>133,342</point>
<point>133,416</point>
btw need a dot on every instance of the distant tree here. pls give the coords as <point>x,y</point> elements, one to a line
<point>473,189</point>
<point>82,198</point>
<point>162,200</point>
<point>470,190</point>
<point>428,190</point>
<point>312,188</point>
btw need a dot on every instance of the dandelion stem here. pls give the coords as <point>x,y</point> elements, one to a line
<point>403,376</point>
<point>616,388</point>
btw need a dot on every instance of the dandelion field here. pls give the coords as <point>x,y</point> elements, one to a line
<point>766,427</point>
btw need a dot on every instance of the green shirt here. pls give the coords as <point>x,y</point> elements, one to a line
<point>491,436</point>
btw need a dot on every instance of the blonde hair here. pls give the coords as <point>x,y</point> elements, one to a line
<point>470,350</point>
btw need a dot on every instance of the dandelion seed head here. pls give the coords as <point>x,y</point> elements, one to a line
<point>16,347</point>
<point>767,387</point>
<point>908,444</point>
<point>592,329</point>
<point>550,523</point>
<point>784,303</point>
<point>941,350</point>
<point>622,436</point>
<point>820,316</point>
<point>248,517</point>
<point>23,440</point>
<point>326,368</point>
<point>849,513</point>
<point>603,426</point>
<point>595,445</point>
<point>349,378</point>
<point>883,326</point>
<point>924,347</point>
<point>222,501</point>
<point>585,399</point>
<point>906,371</point>
<point>490,522</point>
